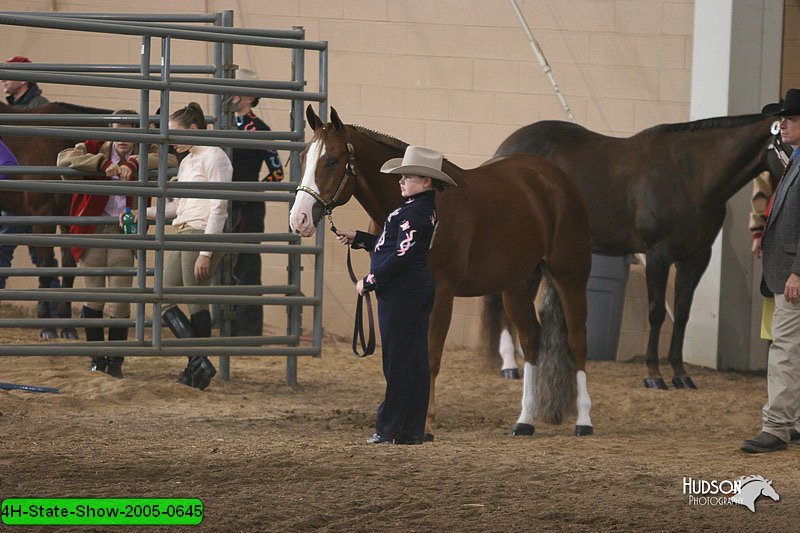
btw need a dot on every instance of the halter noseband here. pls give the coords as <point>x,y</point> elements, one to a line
<point>349,172</point>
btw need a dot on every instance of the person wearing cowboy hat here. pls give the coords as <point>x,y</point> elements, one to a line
<point>781,261</point>
<point>248,217</point>
<point>404,287</point>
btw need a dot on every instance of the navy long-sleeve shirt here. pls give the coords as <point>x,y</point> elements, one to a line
<point>400,252</point>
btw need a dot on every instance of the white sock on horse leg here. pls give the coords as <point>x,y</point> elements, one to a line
<point>528,395</point>
<point>584,402</point>
<point>506,350</point>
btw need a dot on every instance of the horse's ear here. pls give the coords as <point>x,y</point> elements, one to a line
<point>337,123</point>
<point>313,120</point>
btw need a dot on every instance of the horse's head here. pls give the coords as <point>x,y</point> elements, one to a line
<point>768,491</point>
<point>328,173</point>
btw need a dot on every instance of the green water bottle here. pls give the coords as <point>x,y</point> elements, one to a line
<point>128,222</point>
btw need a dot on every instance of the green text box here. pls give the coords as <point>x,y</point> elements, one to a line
<point>101,511</point>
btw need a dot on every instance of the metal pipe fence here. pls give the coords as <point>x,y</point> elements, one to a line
<point>165,78</point>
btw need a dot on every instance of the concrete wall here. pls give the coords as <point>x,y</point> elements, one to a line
<point>457,75</point>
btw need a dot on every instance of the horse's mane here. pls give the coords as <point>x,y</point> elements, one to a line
<point>382,138</point>
<point>707,124</point>
<point>75,108</point>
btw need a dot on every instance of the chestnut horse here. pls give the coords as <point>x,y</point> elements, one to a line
<point>40,151</point>
<point>661,192</point>
<point>510,222</point>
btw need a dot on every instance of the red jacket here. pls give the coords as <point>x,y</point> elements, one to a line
<point>89,156</point>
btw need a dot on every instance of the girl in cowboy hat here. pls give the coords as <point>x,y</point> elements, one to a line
<point>404,286</point>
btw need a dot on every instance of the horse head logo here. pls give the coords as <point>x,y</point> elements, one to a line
<point>751,488</point>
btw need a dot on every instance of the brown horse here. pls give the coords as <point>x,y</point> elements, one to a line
<point>40,151</point>
<point>661,192</point>
<point>510,222</point>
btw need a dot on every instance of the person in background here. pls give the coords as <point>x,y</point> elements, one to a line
<point>118,161</point>
<point>779,247</point>
<point>25,95</point>
<point>400,277</point>
<point>194,216</point>
<point>248,217</point>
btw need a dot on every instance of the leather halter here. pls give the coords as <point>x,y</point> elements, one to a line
<point>349,172</point>
<point>778,147</point>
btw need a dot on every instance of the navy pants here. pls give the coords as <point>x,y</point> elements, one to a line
<point>248,217</point>
<point>403,315</point>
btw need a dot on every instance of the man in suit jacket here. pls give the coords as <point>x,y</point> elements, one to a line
<point>780,247</point>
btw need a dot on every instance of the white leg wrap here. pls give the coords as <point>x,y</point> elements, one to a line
<point>584,402</point>
<point>528,395</point>
<point>506,349</point>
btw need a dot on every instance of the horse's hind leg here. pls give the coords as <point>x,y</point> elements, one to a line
<point>689,272</point>
<point>573,303</point>
<point>437,333</point>
<point>518,304</point>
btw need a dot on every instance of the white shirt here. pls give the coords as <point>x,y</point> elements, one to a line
<point>203,164</point>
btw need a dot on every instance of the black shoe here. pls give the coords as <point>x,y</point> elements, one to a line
<point>763,443</point>
<point>202,372</point>
<point>98,364</point>
<point>794,436</point>
<point>114,367</point>
<point>409,440</point>
<point>377,439</point>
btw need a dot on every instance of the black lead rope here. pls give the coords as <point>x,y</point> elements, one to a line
<point>364,300</point>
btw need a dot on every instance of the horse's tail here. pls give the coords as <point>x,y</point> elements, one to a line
<point>556,386</point>
<point>493,321</point>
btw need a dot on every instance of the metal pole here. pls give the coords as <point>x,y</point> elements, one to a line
<point>542,60</point>
<point>223,61</point>
<point>141,203</point>
<point>161,201</point>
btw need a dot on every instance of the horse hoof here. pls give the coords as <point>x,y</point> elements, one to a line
<point>582,431</point>
<point>428,437</point>
<point>522,429</point>
<point>48,334</point>
<point>655,383</point>
<point>510,373</point>
<point>683,382</point>
<point>69,333</point>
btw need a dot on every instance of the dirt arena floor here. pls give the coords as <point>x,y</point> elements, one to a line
<point>264,456</point>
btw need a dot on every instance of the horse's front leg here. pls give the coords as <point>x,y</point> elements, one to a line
<point>65,308</point>
<point>437,333</point>
<point>44,257</point>
<point>689,272</point>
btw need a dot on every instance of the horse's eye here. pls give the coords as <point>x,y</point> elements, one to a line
<point>331,161</point>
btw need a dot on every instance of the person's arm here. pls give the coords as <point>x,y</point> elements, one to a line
<point>85,156</point>
<point>762,191</point>
<point>274,166</point>
<point>7,159</point>
<point>409,230</point>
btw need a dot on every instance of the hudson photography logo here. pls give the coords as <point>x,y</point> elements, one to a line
<point>743,491</point>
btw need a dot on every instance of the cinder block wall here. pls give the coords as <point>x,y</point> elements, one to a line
<point>457,75</point>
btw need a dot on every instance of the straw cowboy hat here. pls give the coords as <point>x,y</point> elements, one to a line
<point>787,107</point>
<point>419,161</point>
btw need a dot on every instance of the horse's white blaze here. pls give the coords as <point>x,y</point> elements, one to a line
<point>507,350</point>
<point>584,402</point>
<point>528,395</point>
<point>300,217</point>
